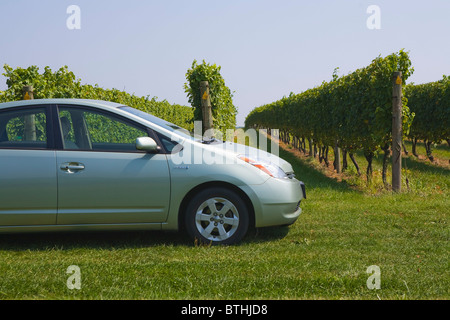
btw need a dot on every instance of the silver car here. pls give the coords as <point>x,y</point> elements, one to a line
<point>70,164</point>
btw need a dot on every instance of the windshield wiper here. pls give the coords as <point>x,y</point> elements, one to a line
<point>209,141</point>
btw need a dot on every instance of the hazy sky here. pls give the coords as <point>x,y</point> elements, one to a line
<point>266,49</point>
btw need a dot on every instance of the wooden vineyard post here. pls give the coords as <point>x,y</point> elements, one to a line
<point>206,108</point>
<point>27,93</point>
<point>397,132</point>
<point>337,160</point>
<point>29,120</point>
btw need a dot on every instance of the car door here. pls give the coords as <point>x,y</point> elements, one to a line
<point>28,192</point>
<point>102,177</point>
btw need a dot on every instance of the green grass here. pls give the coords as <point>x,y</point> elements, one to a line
<point>324,255</point>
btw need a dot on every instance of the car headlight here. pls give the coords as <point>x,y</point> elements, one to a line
<point>268,167</point>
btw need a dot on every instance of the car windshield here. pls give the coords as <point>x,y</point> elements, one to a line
<point>160,122</point>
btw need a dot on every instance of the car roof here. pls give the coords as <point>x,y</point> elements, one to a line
<point>105,105</point>
<point>85,102</point>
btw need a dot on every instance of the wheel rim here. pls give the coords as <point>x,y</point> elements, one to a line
<point>217,219</point>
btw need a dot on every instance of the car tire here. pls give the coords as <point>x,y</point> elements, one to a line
<point>217,216</point>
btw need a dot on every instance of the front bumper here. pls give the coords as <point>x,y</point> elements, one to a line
<point>277,201</point>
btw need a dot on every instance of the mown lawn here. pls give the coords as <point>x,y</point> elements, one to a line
<point>345,228</point>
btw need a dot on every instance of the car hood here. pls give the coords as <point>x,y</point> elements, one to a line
<point>255,153</point>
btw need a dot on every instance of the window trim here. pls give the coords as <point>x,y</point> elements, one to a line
<point>48,126</point>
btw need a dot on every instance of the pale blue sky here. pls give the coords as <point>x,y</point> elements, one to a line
<point>266,48</point>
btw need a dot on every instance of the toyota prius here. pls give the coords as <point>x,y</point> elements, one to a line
<point>71,164</point>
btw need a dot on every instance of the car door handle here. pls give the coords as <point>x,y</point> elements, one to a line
<point>72,167</point>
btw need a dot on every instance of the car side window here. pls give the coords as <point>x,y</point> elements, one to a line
<point>23,128</point>
<point>98,131</point>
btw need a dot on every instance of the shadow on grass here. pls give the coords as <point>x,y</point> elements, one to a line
<point>113,240</point>
<point>423,166</point>
<point>70,240</point>
<point>266,234</point>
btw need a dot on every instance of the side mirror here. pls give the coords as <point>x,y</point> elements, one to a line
<point>147,144</point>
